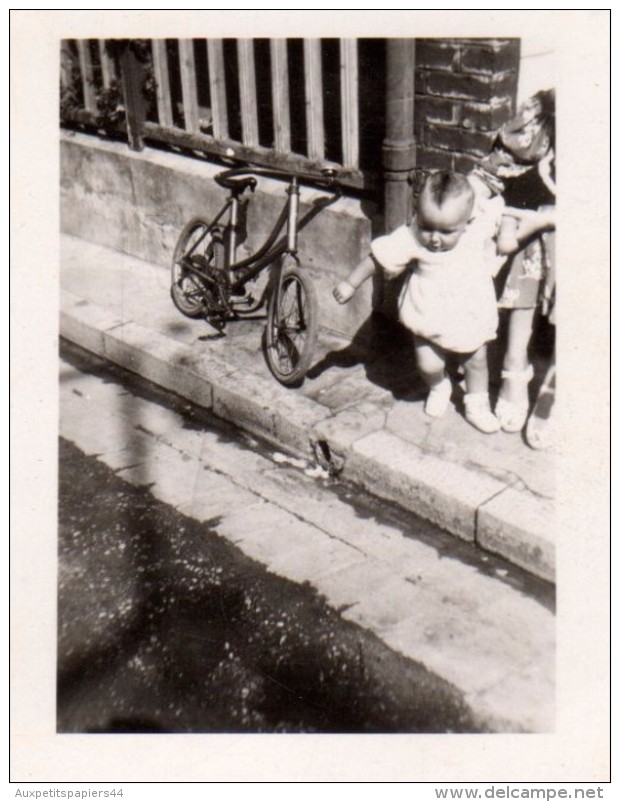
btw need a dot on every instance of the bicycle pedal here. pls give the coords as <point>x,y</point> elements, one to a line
<point>218,324</point>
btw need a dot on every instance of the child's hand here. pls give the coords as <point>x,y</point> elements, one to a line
<point>546,216</point>
<point>343,292</point>
<point>507,241</point>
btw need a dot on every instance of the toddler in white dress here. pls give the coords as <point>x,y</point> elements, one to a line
<point>448,300</point>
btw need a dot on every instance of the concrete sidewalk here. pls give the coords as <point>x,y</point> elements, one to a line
<point>426,635</point>
<point>360,409</point>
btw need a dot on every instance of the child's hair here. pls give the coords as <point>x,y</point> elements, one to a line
<point>445,186</point>
<point>546,99</point>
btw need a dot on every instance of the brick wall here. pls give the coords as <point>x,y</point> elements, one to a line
<point>464,90</point>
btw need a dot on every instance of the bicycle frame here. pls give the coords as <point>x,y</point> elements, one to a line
<point>242,271</point>
<point>210,282</point>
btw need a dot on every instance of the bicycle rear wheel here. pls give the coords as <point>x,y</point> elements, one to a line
<point>187,289</point>
<point>292,326</point>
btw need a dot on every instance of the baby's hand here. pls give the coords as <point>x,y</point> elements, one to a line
<point>343,292</point>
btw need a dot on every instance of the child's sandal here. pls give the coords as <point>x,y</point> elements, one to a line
<point>540,433</point>
<point>512,416</point>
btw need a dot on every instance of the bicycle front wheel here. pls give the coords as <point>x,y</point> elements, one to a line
<point>201,250</point>
<point>292,326</point>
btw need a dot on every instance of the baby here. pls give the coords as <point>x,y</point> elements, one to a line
<point>448,300</point>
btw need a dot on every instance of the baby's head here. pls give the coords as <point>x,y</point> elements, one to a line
<point>444,210</point>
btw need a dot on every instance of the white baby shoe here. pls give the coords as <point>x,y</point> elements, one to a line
<point>478,413</point>
<point>438,399</point>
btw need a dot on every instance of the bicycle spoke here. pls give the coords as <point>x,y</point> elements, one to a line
<point>288,354</point>
<point>206,251</point>
<point>290,335</point>
<point>197,253</point>
<point>292,314</point>
<point>191,288</point>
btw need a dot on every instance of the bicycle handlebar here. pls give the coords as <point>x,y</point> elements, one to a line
<point>229,180</point>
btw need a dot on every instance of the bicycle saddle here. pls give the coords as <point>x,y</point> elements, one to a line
<point>236,184</point>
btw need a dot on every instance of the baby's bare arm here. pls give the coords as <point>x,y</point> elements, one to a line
<point>345,290</point>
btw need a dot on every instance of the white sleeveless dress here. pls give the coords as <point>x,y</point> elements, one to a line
<point>449,296</point>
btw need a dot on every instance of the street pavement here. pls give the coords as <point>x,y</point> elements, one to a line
<point>481,631</point>
<point>361,408</point>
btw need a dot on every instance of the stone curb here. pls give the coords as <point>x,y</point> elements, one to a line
<point>470,504</point>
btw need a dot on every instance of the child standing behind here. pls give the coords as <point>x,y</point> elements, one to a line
<point>448,300</point>
<point>523,163</point>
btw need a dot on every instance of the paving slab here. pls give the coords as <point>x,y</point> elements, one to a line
<point>213,496</point>
<point>86,323</point>
<point>521,527</point>
<point>282,542</point>
<point>345,588</point>
<point>267,409</point>
<point>444,492</point>
<point>515,694</point>
<point>504,456</point>
<point>343,428</point>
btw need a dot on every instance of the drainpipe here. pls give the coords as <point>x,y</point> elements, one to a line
<point>399,143</point>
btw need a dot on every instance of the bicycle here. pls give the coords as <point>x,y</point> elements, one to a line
<point>209,282</point>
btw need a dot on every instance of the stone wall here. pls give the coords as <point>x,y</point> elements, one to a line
<point>137,203</point>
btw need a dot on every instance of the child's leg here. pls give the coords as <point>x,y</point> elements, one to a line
<point>431,365</point>
<point>476,368</point>
<point>431,362</point>
<point>513,402</point>
<point>520,326</point>
<point>540,426</point>
<point>477,407</point>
